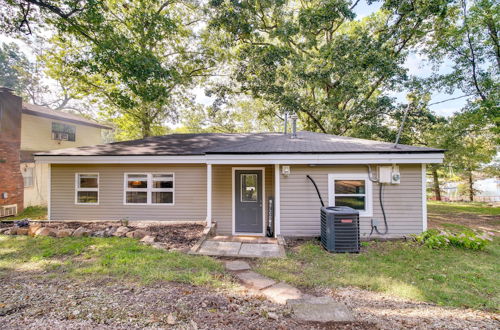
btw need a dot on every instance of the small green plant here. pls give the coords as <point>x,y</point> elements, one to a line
<point>470,240</point>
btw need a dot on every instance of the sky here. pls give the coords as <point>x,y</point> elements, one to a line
<point>415,63</point>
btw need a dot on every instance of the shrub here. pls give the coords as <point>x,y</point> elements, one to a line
<point>470,240</point>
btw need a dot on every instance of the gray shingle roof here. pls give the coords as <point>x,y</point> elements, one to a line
<point>41,111</point>
<point>238,143</point>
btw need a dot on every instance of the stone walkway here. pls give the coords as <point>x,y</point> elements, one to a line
<point>304,307</point>
<point>241,247</point>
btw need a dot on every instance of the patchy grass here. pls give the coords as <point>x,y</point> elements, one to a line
<point>32,212</point>
<point>117,257</point>
<point>449,277</point>
<point>453,208</point>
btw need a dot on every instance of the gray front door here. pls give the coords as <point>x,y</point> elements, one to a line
<point>248,201</point>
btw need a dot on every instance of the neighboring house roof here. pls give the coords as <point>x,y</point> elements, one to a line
<point>249,143</point>
<point>40,111</point>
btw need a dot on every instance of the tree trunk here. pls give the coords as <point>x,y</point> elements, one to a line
<point>435,177</point>
<point>471,187</point>
<point>146,129</point>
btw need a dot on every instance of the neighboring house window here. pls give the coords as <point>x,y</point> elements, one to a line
<point>63,132</point>
<point>353,190</point>
<point>149,188</point>
<point>87,188</point>
<point>28,177</point>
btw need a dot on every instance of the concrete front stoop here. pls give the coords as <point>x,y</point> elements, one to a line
<point>304,307</point>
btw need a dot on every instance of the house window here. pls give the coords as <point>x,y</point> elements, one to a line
<point>28,177</point>
<point>353,190</point>
<point>87,188</point>
<point>63,132</point>
<point>149,188</point>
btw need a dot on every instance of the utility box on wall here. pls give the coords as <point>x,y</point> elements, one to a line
<point>389,174</point>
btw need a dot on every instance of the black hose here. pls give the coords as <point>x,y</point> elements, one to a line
<point>383,213</point>
<point>317,190</point>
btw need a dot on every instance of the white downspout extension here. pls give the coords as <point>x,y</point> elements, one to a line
<point>424,197</point>
<point>49,183</point>
<point>209,195</point>
<point>277,203</point>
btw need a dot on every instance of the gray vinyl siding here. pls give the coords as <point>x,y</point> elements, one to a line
<point>300,206</point>
<point>222,194</point>
<point>189,193</point>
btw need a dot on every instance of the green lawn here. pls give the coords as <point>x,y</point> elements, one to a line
<point>450,277</point>
<point>122,258</point>
<point>31,212</point>
<point>461,208</point>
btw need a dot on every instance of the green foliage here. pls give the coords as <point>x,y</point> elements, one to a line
<point>437,239</point>
<point>314,59</point>
<point>14,67</point>
<point>120,258</point>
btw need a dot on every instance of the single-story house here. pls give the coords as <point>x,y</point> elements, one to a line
<point>243,182</point>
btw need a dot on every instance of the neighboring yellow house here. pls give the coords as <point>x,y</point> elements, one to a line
<point>44,129</point>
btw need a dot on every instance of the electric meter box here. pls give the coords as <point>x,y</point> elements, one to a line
<point>389,174</point>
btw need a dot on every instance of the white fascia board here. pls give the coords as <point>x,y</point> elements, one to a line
<point>291,159</point>
<point>347,158</point>
<point>121,159</point>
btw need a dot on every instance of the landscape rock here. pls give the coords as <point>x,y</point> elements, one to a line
<point>64,232</point>
<point>148,239</point>
<point>22,231</point>
<point>272,315</point>
<point>171,319</point>
<point>32,229</point>
<point>121,231</point>
<point>255,280</point>
<point>45,231</point>
<point>280,293</point>
<point>81,232</point>
<point>138,234</point>
<point>320,309</point>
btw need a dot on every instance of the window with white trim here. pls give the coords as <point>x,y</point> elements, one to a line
<point>87,188</point>
<point>28,177</point>
<point>149,188</point>
<point>353,190</point>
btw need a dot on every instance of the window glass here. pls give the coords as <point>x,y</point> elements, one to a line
<point>28,177</point>
<point>87,196</point>
<point>137,181</point>
<point>248,187</point>
<point>356,202</point>
<point>349,187</point>
<point>137,197</point>
<point>163,181</point>
<point>162,197</point>
<point>88,181</point>
<point>63,132</point>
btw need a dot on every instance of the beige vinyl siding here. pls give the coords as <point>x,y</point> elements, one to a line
<point>189,193</point>
<point>222,204</point>
<point>36,134</point>
<point>300,206</point>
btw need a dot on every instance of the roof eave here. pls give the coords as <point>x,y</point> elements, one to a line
<point>74,121</point>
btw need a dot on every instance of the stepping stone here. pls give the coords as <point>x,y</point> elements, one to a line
<point>237,265</point>
<point>214,248</point>
<point>280,293</point>
<point>320,309</point>
<point>260,250</point>
<point>254,280</point>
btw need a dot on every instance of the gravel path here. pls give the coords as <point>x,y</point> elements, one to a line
<point>33,301</point>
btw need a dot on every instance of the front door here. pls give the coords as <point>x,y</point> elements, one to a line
<point>248,202</point>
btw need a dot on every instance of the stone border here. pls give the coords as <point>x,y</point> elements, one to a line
<point>207,232</point>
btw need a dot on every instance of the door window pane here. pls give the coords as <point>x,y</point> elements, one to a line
<point>137,197</point>
<point>349,187</point>
<point>248,187</point>
<point>162,197</point>
<point>356,202</point>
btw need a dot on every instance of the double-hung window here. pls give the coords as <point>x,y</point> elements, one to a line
<point>87,188</point>
<point>28,177</point>
<point>149,188</point>
<point>353,190</point>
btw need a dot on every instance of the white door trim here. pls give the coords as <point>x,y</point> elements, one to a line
<point>233,196</point>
